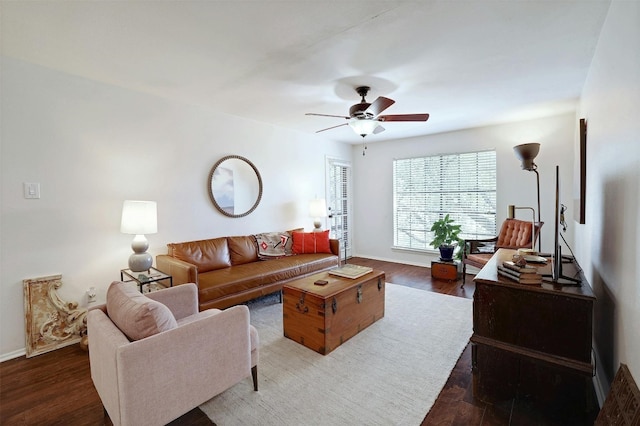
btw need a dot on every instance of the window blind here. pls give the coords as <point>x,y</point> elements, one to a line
<point>425,189</point>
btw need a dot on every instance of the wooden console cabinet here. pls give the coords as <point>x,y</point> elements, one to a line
<point>532,341</point>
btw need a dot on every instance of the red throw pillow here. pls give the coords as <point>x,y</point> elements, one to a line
<point>311,242</point>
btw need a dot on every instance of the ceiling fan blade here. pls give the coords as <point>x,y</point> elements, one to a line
<point>333,127</point>
<point>379,105</point>
<point>327,115</point>
<point>404,117</point>
<point>378,129</point>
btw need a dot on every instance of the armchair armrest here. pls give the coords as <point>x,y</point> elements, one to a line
<point>209,355</point>
<point>104,341</point>
<point>181,271</point>
<point>481,245</point>
<point>182,300</point>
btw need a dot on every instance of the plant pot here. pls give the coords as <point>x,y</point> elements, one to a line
<point>446,253</point>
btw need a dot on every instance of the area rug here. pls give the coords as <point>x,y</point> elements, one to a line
<point>388,374</point>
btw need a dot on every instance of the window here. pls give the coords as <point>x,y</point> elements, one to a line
<point>425,189</point>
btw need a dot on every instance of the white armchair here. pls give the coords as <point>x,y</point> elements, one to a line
<point>180,365</point>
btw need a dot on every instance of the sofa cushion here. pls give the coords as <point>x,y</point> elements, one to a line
<point>242,250</point>
<point>288,247</point>
<point>251,277</point>
<point>273,244</point>
<point>207,255</point>
<point>311,242</point>
<point>136,315</point>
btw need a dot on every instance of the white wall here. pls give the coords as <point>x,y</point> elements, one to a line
<point>608,243</point>
<point>373,178</point>
<point>91,146</point>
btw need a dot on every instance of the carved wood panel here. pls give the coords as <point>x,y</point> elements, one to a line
<point>51,323</point>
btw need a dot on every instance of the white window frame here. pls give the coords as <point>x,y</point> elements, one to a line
<point>425,189</point>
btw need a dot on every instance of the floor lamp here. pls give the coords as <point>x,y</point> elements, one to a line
<point>526,153</point>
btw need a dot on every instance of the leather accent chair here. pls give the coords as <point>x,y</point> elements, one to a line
<point>158,377</point>
<point>514,234</point>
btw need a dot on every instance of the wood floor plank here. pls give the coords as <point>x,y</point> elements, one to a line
<point>55,388</point>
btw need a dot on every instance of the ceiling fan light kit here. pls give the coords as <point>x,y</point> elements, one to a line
<point>364,126</point>
<point>364,118</point>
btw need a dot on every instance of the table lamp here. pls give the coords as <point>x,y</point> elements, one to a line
<point>139,218</point>
<point>317,210</point>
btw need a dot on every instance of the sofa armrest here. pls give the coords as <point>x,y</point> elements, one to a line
<point>182,300</point>
<point>182,272</point>
<point>209,355</point>
<point>334,245</point>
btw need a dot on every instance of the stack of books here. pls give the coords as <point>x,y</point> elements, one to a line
<point>527,274</point>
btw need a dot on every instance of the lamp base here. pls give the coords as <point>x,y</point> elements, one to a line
<point>140,262</point>
<point>317,225</point>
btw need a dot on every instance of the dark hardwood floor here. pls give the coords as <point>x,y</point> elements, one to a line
<point>56,389</point>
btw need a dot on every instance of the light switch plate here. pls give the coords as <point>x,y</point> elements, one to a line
<point>31,190</point>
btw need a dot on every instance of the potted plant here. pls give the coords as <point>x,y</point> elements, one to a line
<point>446,237</point>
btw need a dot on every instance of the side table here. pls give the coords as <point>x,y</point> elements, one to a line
<point>146,277</point>
<point>443,270</point>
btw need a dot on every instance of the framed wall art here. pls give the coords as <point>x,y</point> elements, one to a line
<point>580,168</point>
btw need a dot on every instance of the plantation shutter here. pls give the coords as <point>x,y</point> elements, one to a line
<point>338,202</point>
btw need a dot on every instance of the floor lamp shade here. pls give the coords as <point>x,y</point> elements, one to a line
<point>526,153</point>
<point>139,218</point>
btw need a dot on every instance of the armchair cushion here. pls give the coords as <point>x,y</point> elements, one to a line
<point>136,315</point>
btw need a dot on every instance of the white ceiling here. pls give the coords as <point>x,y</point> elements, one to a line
<point>467,63</point>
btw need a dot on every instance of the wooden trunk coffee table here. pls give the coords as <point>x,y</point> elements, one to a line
<point>323,317</point>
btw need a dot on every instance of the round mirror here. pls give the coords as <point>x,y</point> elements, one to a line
<point>235,186</point>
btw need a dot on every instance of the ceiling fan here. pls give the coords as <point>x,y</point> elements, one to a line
<point>364,118</point>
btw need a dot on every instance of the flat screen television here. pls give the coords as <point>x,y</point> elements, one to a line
<point>559,226</point>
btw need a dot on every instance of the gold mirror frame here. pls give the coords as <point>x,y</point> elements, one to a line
<point>225,210</point>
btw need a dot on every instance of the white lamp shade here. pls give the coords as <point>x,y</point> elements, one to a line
<point>318,208</point>
<point>139,217</point>
<point>363,126</point>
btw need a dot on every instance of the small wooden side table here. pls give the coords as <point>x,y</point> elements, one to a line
<point>443,270</point>
<point>146,277</point>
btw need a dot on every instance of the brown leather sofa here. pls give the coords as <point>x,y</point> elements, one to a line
<point>229,271</point>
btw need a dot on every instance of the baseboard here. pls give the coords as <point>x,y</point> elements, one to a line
<point>426,264</point>
<point>600,384</point>
<point>12,355</point>
<point>601,395</point>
